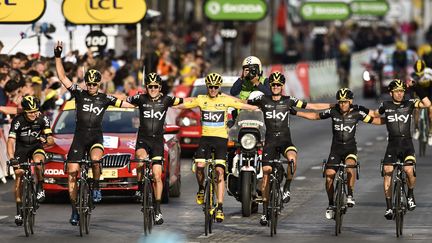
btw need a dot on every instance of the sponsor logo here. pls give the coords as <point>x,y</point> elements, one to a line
<point>92,109</point>
<point>154,114</point>
<point>398,118</point>
<point>213,116</point>
<point>276,115</point>
<point>343,128</point>
<point>54,172</point>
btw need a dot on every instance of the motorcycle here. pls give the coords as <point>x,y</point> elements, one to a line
<point>248,135</point>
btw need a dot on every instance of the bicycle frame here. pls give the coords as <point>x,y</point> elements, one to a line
<point>209,194</point>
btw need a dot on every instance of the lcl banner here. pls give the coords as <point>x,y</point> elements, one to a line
<point>21,11</point>
<point>104,11</point>
<point>297,78</point>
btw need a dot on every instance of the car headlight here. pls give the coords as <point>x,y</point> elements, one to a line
<point>187,121</point>
<point>55,157</point>
<point>248,141</point>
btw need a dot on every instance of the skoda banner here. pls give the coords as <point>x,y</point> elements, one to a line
<point>239,10</point>
<point>323,11</point>
<point>369,8</point>
<point>104,11</point>
<point>21,11</point>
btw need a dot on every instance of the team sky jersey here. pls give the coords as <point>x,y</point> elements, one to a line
<point>214,113</point>
<point>344,127</point>
<point>276,113</point>
<point>153,113</point>
<point>91,108</point>
<point>26,132</point>
<point>398,117</point>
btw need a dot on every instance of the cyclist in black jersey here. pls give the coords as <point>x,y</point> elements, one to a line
<point>397,114</point>
<point>88,138</point>
<point>153,107</point>
<point>276,109</point>
<point>344,117</point>
<point>29,131</point>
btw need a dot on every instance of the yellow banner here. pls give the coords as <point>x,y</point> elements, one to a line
<point>21,11</point>
<point>104,11</point>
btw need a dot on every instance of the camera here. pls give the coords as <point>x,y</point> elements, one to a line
<point>253,72</point>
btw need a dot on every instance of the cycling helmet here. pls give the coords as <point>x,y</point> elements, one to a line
<point>153,79</point>
<point>277,77</point>
<point>213,79</point>
<point>427,74</point>
<point>419,67</point>
<point>344,94</point>
<point>396,84</point>
<point>92,76</point>
<point>30,103</point>
<point>252,61</point>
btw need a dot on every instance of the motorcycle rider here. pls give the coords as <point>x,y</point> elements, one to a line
<point>276,108</point>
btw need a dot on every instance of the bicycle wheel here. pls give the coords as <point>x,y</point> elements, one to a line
<point>25,200</point>
<point>398,208</point>
<point>150,207</point>
<point>32,209</point>
<point>207,208</point>
<point>339,199</point>
<point>82,204</point>
<point>89,206</point>
<point>274,194</point>
<point>146,215</point>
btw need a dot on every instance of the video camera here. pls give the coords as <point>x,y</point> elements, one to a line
<point>253,72</point>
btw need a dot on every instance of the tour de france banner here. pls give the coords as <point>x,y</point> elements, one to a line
<point>297,78</point>
<point>21,11</point>
<point>104,11</point>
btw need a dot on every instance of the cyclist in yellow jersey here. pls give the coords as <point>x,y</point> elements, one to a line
<point>214,106</point>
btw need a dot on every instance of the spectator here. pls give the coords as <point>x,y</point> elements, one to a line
<point>343,65</point>
<point>400,60</point>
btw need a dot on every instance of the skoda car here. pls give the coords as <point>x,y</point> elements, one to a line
<point>190,120</point>
<point>120,126</point>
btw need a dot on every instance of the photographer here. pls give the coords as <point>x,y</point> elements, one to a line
<point>251,79</point>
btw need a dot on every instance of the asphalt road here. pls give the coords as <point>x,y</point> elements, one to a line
<point>302,219</point>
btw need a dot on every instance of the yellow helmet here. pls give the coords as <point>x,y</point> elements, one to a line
<point>419,67</point>
<point>344,48</point>
<point>213,79</point>
<point>277,77</point>
<point>396,84</point>
<point>344,94</point>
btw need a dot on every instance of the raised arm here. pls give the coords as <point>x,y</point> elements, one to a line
<point>59,65</point>
<point>425,102</point>
<point>10,110</point>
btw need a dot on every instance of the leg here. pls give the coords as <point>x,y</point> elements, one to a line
<point>96,153</point>
<point>39,157</point>
<point>17,188</point>
<point>158,187</point>
<point>199,173</point>
<point>265,188</point>
<point>330,175</point>
<point>140,153</point>
<point>388,172</point>
<point>291,155</point>
<point>73,170</point>
<point>220,181</point>
<point>351,160</point>
<point>409,170</point>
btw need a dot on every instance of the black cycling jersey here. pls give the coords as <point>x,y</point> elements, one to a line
<point>153,112</point>
<point>276,113</point>
<point>344,126</point>
<point>91,108</point>
<point>398,117</point>
<point>27,132</point>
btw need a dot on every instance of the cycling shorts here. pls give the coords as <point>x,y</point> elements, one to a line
<point>83,142</point>
<point>154,146</point>
<point>206,144</point>
<point>342,152</point>
<point>274,146</point>
<point>399,148</point>
<point>25,152</point>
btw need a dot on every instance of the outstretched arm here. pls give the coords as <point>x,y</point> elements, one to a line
<point>248,107</point>
<point>308,115</point>
<point>126,104</point>
<point>378,121</point>
<point>318,106</point>
<point>59,65</point>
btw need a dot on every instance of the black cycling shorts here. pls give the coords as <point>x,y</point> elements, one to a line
<point>206,144</point>
<point>274,146</point>
<point>25,152</point>
<point>342,152</point>
<point>84,141</point>
<point>154,146</point>
<point>399,148</point>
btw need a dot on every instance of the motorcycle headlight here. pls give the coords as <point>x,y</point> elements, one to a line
<point>248,141</point>
<point>186,121</point>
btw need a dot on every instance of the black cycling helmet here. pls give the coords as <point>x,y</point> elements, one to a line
<point>92,76</point>
<point>344,94</point>
<point>153,79</point>
<point>213,79</point>
<point>30,103</point>
<point>396,84</point>
<point>419,67</point>
<point>277,77</point>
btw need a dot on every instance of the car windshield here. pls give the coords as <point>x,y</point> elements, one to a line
<point>114,121</point>
<point>202,90</point>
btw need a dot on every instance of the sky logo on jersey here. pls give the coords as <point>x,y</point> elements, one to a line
<point>92,109</point>
<point>213,118</point>
<point>398,118</point>
<point>152,114</point>
<point>276,115</point>
<point>343,128</point>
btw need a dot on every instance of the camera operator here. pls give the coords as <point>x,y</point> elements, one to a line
<point>251,79</point>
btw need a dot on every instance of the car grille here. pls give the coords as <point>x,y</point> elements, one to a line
<point>115,160</point>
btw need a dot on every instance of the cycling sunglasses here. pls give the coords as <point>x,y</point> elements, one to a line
<point>213,87</point>
<point>276,85</point>
<point>92,84</point>
<point>153,86</point>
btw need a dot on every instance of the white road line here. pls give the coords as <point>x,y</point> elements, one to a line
<point>203,236</point>
<point>300,178</point>
<point>360,149</point>
<point>3,217</point>
<point>380,138</point>
<point>236,217</point>
<point>368,143</point>
<point>318,167</point>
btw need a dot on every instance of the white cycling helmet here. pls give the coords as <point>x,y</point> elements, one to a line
<point>255,94</point>
<point>427,74</point>
<point>252,60</point>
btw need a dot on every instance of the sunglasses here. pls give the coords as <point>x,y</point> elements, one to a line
<point>152,86</point>
<point>213,87</point>
<point>276,85</point>
<point>91,84</point>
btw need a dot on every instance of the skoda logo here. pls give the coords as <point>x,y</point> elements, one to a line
<point>307,10</point>
<point>214,8</point>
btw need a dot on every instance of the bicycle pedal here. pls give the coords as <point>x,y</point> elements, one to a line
<point>212,211</point>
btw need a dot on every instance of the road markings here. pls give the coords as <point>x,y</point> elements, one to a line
<point>318,167</point>
<point>380,138</point>
<point>203,236</point>
<point>236,217</point>
<point>3,217</point>
<point>300,178</point>
<point>368,143</point>
<point>360,149</point>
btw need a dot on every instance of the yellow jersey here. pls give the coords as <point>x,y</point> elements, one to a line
<point>213,113</point>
